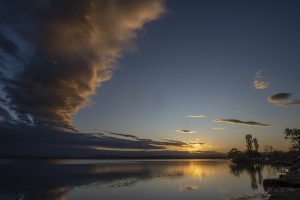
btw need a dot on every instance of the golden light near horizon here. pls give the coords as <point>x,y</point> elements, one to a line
<point>195,147</point>
<point>194,170</point>
<point>190,146</point>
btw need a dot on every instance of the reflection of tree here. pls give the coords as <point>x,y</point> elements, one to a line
<point>254,171</point>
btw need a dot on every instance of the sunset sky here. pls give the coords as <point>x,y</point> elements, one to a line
<point>205,73</point>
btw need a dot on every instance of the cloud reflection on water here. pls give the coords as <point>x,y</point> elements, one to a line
<point>55,180</point>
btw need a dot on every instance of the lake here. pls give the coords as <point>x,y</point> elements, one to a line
<point>131,179</point>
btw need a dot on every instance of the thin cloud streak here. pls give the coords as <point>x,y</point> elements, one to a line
<point>123,135</point>
<point>185,131</point>
<point>239,122</point>
<point>283,99</point>
<point>293,103</point>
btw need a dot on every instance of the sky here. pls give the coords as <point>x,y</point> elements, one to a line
<point>202,74</point>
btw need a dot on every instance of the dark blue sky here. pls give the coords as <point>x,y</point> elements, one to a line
<point>201,57</point>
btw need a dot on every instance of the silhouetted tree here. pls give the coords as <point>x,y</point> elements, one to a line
<point>249,142</point>
<point>255,143</point>
<point>269,149</point>
<point>294,136</point>
<point>234,153</point>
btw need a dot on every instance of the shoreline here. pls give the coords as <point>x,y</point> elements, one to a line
<point>287,185</point>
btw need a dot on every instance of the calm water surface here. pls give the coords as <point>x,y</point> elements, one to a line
<point>131,179</point>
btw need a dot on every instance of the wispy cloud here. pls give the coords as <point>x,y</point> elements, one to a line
<point>293,103</point>
<point>217,128</point>
<point>259,83</point>
<point>185,131</point>
<point>123,135</point>
<point>196,116</point>
<point>283,99</point>
<point>240,122</point>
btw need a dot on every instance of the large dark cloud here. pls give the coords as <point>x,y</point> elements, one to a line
<point>283,99</point>
<point>240,122</point>
<point>66,49</point>
<point>75,46</point>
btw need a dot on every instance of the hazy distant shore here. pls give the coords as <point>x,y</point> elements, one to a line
<point>115,157</point>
